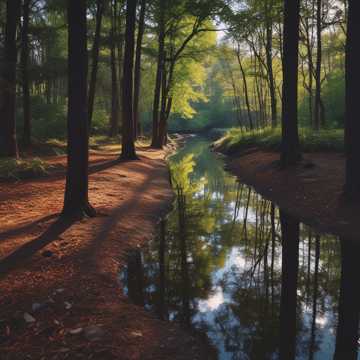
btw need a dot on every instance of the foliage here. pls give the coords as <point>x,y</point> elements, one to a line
<point>270,139</point>
<point>19,169</point>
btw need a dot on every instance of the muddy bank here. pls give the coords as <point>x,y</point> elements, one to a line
<point>311,191</point>
<point>62,298</point>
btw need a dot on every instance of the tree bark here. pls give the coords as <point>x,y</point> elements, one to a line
<point>159,74</point>
<point>317,109</point>
<point>95,58</point>
<point>25,76</point>
<point>8,143</point>
<point>128,146</point>
<point>76,202</point>
<point>352,110</point>
<point>269,64</point>
<point>290,145</point>
<point>115,105</point>
<point>247,101</point>
<point>137,71</point>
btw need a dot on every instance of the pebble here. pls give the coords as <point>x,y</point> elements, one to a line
<point>29,318</point>
<point>68,305</point>
<point>94,333</point>
<point>76,331</point>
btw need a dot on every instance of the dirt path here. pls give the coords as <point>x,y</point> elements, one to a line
<point>70,271</point>
<point>311,191</point>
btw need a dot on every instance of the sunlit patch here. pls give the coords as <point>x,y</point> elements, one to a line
<point>321,321</point>
<point>213,302</point>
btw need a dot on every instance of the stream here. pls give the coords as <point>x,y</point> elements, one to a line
<point>231,264</point>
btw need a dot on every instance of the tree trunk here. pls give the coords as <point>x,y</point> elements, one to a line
<point>95,58</point>
<point>115,105</point>
<point>290,267</point>
<point>247,101</point>
<point>159,74</point>
<point>25,76</point>
<point>290,146</point>
<point>76,202</point>
<point>348,319</point>
<point>352,111</point>
<point>128,146</point>
<point>318,112</point>
<point>137,71</point>
<point>269,64</point>
<point>8,143</point>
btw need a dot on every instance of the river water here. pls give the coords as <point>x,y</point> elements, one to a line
<point>229,263</point>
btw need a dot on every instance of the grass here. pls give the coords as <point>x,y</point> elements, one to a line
<point>35,164</point>
<point>270,139</point>
<point>23,168</point>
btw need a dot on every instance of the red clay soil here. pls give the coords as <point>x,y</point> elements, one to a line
<point>79,281</point>
<point>311,191</point>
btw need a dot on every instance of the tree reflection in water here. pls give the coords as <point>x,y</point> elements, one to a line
<point>229,263</point>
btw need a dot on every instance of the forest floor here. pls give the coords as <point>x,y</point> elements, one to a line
<point>310,191</point>
<point>60,295</point>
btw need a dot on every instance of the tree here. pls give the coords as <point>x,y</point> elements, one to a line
<point>159,72</point>
<point>25,73</point>
<point>128,146</point>
<point>318,110</point>
<point>269,4</point>
<point>8,143</point>
<point>76,203</point>
<point>100,4</point>
<point>352,112</point>
<point>290,145</point>
<point>137,70</point>
<point>115,105</point>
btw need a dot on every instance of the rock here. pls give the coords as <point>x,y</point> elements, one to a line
<point>29,318</point>
<point>76,331</point>
<point>94,333</point>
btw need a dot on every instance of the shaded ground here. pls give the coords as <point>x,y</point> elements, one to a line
<point>311,191</point>
<point>68,272</point>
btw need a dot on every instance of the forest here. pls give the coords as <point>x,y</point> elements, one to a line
<point>179,179</point>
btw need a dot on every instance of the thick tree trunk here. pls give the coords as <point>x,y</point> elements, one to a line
<point>290,146</point>
<point>95,58</point>
<point>115,104</point>
<point>159,74</point>
<point>8,143</point>
<point>317,109</point>
<point>128,146</point>
<point>76,202</point>
<point>137,71</point>
<point>352,111</point>
<point>25,77</point>
<point>348,323</point>
<point>289,280</point>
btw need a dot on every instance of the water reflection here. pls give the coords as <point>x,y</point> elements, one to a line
<point>229,263</point>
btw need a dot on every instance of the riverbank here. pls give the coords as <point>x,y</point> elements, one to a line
<point>60,294</point>
<point>311,191</point>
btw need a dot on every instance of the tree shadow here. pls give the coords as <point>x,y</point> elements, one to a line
<point>26,227</point>
<point>19,256</point>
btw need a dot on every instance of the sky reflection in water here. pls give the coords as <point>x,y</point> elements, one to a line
<point>216,265</point>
